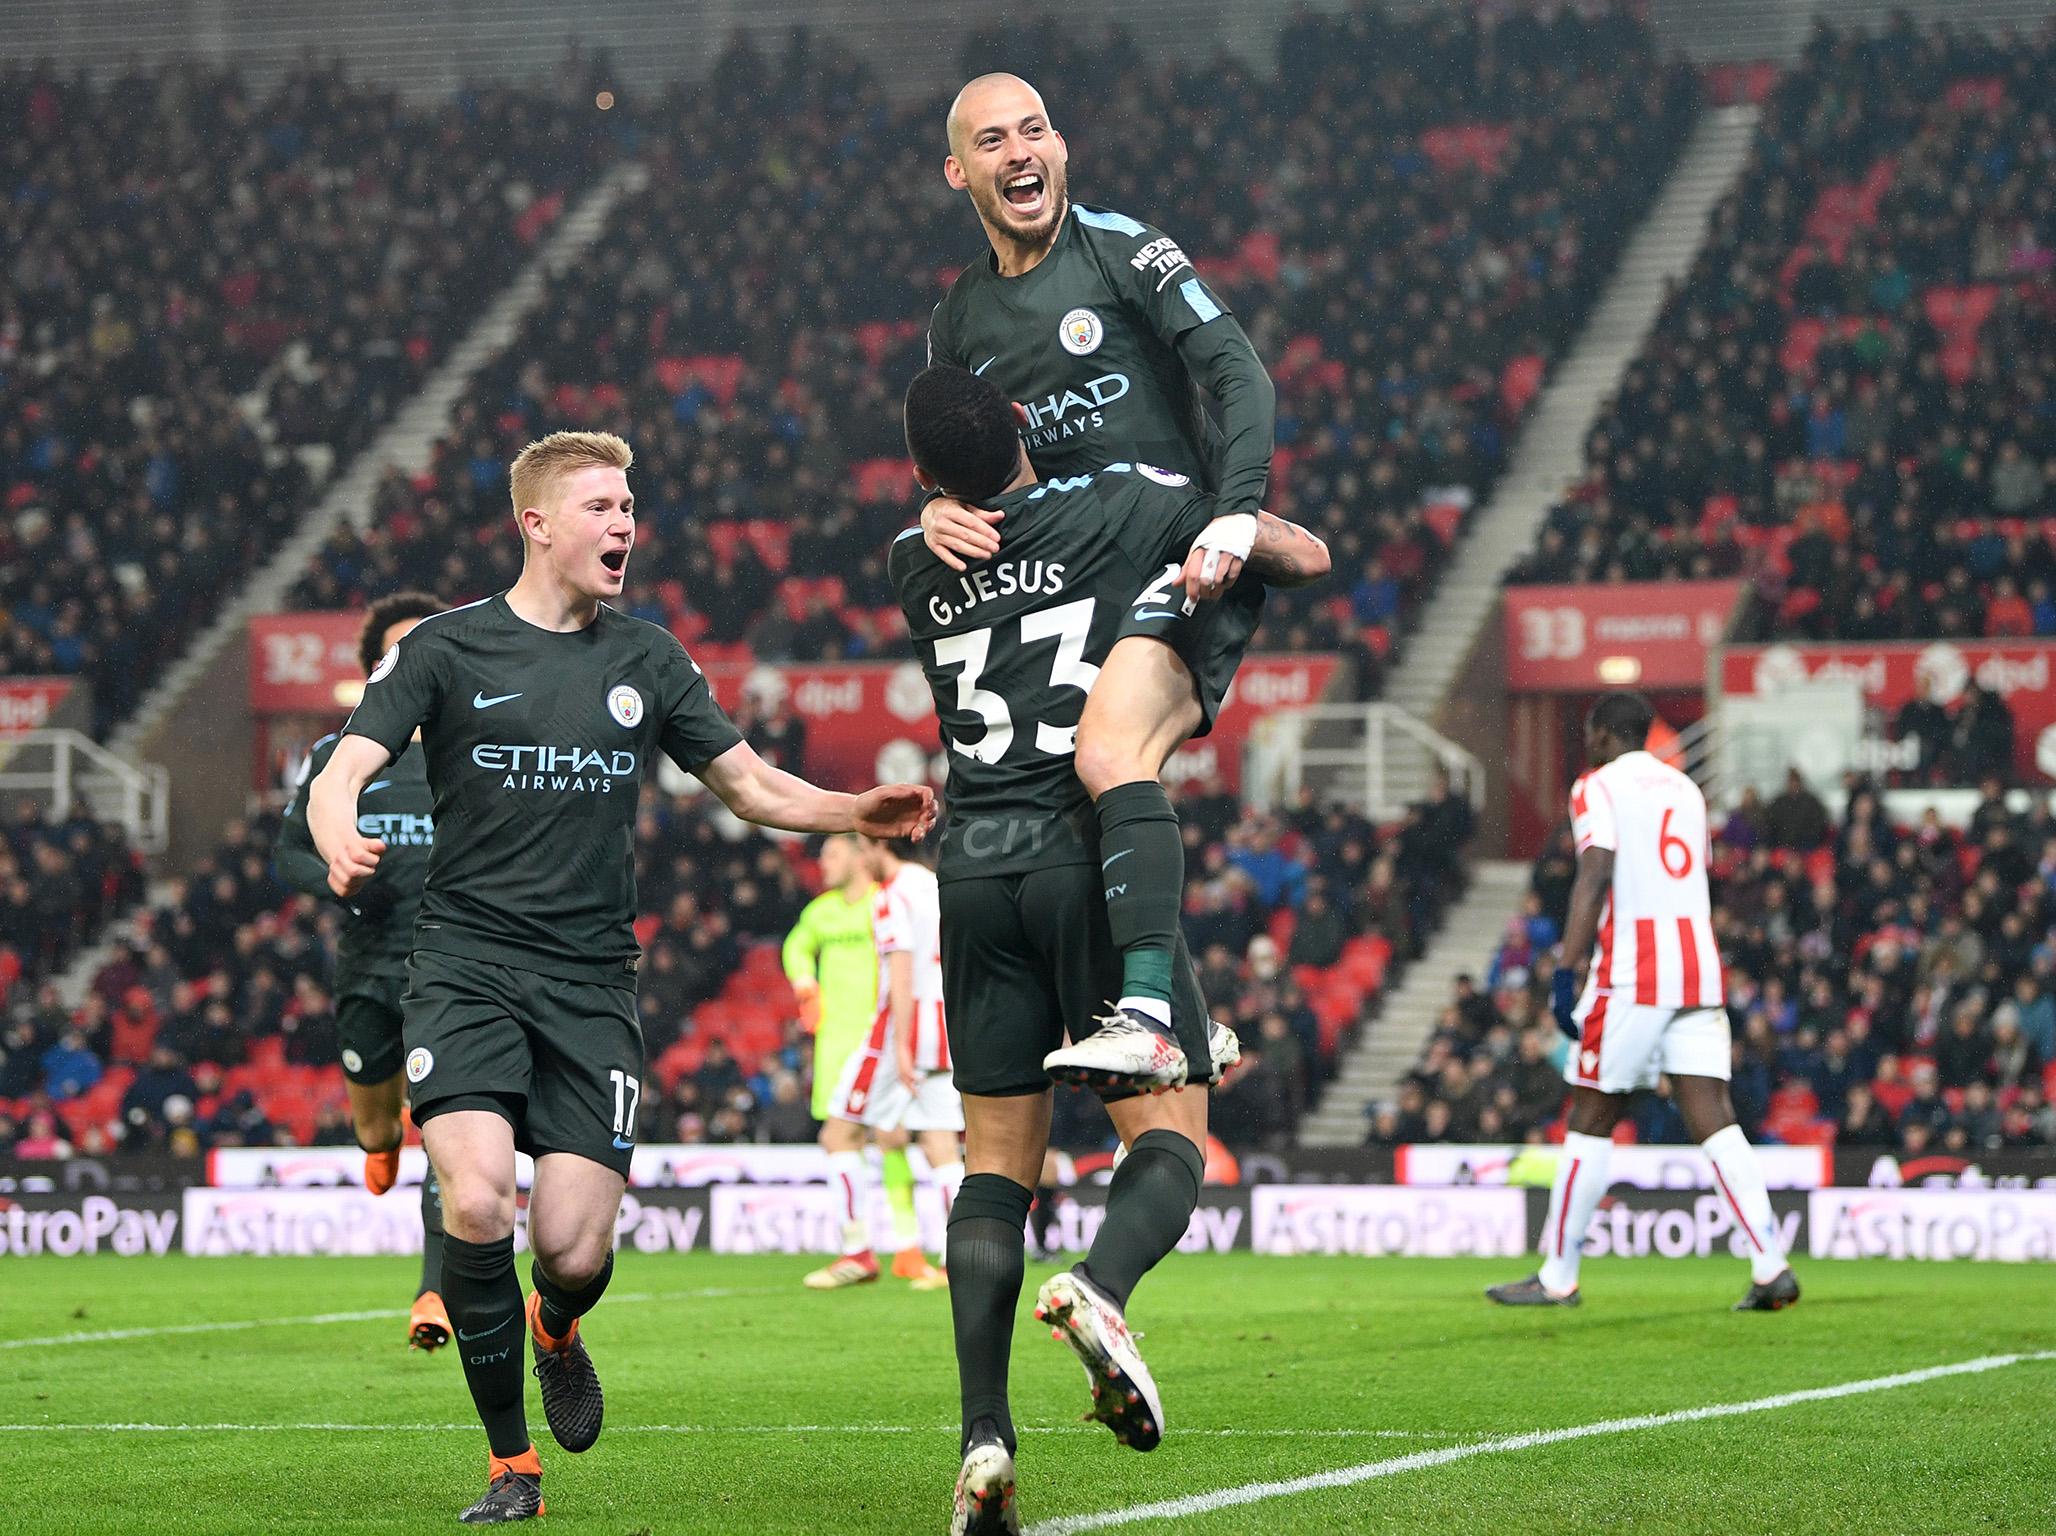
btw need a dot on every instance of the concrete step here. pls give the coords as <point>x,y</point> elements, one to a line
<point>1390,1046</point>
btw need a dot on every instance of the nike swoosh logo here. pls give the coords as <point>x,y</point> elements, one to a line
<point>1155,613</point>
<point>480,701</point>
<point>466,1338</point>
<point>986,364</point>
<point>1108,863</point>
<point>381,784</point>
<point>623,1146</point>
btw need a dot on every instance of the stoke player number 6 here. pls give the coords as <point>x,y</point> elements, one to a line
<point>1681,866</point>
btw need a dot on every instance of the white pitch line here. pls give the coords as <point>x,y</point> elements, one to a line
<point>321,1319</point>
<point>1346,1477</point>
<point>705,1429</point>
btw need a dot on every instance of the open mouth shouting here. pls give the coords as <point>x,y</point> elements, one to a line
<point>1026,193</point>
<point>615,560</point>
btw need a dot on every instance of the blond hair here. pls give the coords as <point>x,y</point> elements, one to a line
<point>538,467</point>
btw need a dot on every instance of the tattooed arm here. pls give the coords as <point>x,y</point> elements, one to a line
<point>1285,554</point>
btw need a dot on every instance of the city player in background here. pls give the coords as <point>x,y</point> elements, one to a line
<point>1103,332</point>
<point>833,967</point>
<point>1641,917</point>
<point>540,709</point>
<point>897,1086</point>
<point>371,954</point>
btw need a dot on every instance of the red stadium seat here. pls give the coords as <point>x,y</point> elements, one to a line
<point>771,538</point>
<point>725,540</point>
<point>881,480</point>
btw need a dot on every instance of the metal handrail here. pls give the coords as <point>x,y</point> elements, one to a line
<point>1279,755</point>
<point>81,770</point>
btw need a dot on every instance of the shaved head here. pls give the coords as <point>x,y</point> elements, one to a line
<point>990,96</point>
<point>1006,154</point>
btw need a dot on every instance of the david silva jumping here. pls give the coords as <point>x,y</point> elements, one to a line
<point>1112,344</point>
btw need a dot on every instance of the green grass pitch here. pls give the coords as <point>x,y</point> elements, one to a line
<point>739,1403</point>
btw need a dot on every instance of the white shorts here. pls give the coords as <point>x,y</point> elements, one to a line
<point>870,1093</point>
<point>1626,1046</point>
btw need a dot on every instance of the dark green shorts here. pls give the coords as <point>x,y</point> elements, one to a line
<point>1027,959</point>
<point>368,1026</point>
<point>561,1060</point>
<point>1210,640</point>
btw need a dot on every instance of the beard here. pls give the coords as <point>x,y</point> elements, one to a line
<point>999,214</point>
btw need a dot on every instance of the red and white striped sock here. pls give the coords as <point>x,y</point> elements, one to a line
<point>1739,1178</point>
<point>1581,1182</point>
<point>850,1177</point>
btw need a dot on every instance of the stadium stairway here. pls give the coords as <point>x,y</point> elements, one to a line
<point>1388,1050</point>
<point>207,666</point>
<point>1548,456</point>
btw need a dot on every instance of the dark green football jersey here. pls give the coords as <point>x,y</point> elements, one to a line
<point>1086,341</point>
<point>397,807</point>
<point>1012,646</point>
<point>537,744</point>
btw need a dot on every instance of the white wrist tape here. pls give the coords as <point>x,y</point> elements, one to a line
<point>1232,535</point>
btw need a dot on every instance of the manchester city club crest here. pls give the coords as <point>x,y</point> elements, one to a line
<point>625,705</point>
<point>1081,332</point>
<point>419,1064</point>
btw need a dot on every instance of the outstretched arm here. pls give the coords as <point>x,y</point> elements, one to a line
<point>771,797</point>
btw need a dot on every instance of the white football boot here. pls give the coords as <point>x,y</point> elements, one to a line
<point>1127,1051</point>
<point>985,1493</point>
<point>1124,1397</point>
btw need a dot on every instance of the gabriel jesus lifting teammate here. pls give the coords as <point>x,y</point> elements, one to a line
<point>1012,651</point>
<point>539,709</point>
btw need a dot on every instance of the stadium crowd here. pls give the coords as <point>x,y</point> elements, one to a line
<point>211,295</point>
<point>1891,986</point>
<point>59,881</point>
<point>215,1025</point>
<point>1847,400</point>
<point>1406,255</point>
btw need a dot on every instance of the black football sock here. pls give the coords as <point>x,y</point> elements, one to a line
<point>431,1234</point>
<point>1142,861</point>
<point>986,1257</point>
<point>483,1297</point>
<point>1149,1206</point>
<point>561,1308</point>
